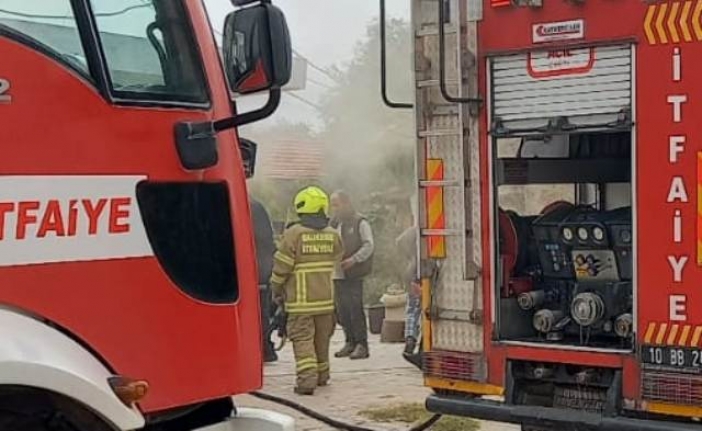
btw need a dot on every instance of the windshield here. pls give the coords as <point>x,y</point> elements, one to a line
<point>150,50</point>
<point>149,47</point>
<point>49,24</point>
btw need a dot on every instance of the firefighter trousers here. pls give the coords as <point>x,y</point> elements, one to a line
<point>310,336</point>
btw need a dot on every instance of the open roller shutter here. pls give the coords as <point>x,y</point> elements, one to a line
<point>588,86</point>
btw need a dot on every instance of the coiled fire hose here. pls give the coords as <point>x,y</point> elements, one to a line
<point>333,422</point>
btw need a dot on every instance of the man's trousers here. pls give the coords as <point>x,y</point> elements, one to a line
<point>349,309</point>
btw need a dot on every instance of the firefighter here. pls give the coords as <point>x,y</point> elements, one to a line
<point>302,281</point>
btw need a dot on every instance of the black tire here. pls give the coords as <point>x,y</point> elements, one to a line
<point>19,422</point>
<point>31,410</point>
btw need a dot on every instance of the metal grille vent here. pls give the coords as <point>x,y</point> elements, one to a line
<point>453,366</point>
<point>679,389</point>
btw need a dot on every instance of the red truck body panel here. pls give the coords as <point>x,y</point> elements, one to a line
<point>666,182</point>
<point>126,309</point>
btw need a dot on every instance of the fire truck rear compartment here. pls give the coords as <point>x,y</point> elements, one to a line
<point>562,152</point>
<point>563,260</point>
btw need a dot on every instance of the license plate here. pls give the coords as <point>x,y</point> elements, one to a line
<point>675,357</point>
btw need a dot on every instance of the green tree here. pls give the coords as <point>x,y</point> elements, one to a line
<point>371,147</point>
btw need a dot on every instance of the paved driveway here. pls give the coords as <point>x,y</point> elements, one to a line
<point>384,379</point>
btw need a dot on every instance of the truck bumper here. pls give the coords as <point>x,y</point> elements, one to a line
<point>559,419</point>
<point>254,420</point>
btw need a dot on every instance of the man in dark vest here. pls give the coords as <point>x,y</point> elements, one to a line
<point>357,237</point>
<point>265,248</point>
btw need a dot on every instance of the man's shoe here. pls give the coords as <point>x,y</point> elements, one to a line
<point>323,383</point>
<point>304,391</point>
<point>414,359</point>
<point>270,357</point>
<point>344,352</point>
<point>410,345</point>
<point>360,352</point>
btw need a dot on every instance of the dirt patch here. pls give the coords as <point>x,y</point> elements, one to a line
<point>412,413</point>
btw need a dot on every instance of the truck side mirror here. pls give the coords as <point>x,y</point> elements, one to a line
<point>257,49</point>
<point>248,150</point>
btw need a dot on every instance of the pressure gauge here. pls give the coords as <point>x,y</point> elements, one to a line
<point>582,234</point>
<point>598,234</point>
<point>567,234</point>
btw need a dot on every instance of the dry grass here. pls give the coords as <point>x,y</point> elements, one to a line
<point>411,413</point>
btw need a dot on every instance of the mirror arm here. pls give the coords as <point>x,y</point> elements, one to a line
<point>196,143</point>
<point>249,117</point>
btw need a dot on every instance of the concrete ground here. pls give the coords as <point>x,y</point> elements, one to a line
<point>383,380</point>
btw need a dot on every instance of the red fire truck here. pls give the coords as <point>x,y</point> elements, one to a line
<point>128,294</point>
<point>560,238</point>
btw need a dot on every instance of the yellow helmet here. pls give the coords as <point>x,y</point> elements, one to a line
<point>311,200</point>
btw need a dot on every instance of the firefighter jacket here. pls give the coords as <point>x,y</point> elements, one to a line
<point>303,268</point>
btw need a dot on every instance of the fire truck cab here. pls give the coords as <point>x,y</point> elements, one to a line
<point>128,288</point>
<point>558,169</point>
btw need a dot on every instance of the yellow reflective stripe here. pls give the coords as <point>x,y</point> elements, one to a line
<point>277,279</point>
<point>310,308</point>
<point>301,303</point>
<point>323,303</point>
<point>306,364</point>
<point>282,257</point>
<point>318,264</point>
<point>323,366</point>
<point>303,361</point>
<point>290,306</point>
<point>315,271</point>
<point>300,288</point>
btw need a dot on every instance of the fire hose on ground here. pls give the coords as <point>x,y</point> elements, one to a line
<point>333,422</point>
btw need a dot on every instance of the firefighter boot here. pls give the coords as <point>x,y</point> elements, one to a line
<point>304,391</point>
<point>345,352</point>
<point>360,352</point>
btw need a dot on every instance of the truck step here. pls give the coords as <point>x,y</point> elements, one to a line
<point>433,30</point>
<point>442,232</point>
<point>441,183</point>
<point>432,83</point>
<point>438,132</point>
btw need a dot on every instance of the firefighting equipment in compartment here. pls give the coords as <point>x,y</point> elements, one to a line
<point>569,270</point>
<point>302,281</point>
<point>312,200</point>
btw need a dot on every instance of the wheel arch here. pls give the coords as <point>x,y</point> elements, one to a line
<point>36,356</point>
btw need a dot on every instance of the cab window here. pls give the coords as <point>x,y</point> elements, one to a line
<point>46,25</point>
<point>150,50</point>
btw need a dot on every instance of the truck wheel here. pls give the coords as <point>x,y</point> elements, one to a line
<point>19,422</point>
<point>30,410</point>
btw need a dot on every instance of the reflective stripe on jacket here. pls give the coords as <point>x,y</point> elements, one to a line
<point>303,267</point>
